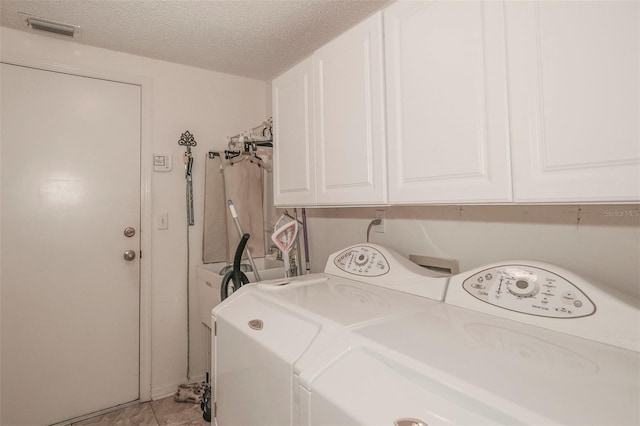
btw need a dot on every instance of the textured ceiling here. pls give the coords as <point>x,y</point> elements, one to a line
<point>252,38</point>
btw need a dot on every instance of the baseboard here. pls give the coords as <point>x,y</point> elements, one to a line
<point>163,391</point>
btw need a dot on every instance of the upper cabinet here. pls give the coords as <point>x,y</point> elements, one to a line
<point>447,110</point>
<point>350,117</point>
<point>486,102</point>
<point>293,130</point>
<point>329,123</point>
<point>574,86</point>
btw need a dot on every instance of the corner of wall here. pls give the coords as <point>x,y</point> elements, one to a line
<point>268,98</point>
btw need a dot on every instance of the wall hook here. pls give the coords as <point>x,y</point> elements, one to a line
<point>188,140</point>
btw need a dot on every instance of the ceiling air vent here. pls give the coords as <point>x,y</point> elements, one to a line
<point>52,27</point>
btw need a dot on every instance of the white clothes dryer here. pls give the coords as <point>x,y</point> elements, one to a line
<point>266,331</point>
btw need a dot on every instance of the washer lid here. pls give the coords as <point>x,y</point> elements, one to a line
<point>335,304</point>
<point>499,370</point>
<point>337,300</point>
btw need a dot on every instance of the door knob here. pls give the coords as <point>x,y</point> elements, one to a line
<point>129,255</point>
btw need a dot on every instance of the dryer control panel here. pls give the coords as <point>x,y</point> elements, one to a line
<point>381,266</point>
<point>529,290</point>
<point>362,260</point>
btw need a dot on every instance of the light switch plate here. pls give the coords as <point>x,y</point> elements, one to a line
<point>163,221</point>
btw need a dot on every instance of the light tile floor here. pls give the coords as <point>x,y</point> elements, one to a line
<point>163,412</point>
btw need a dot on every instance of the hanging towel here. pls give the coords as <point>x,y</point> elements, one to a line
<point>270,213</point>
<point>215,241</point>
<point>243,185</point>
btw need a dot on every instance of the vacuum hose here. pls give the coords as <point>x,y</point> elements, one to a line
<point>235,278</point>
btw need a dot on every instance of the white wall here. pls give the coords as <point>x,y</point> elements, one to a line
<point>597,241</point>
<point>210,105</point>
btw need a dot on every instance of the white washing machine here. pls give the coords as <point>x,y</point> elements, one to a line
<point>513,343</point>
<point>375,341</point>
<point>265,331</point>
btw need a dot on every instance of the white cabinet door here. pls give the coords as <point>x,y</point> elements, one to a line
<point>447,103</point>
<point>350,127</point>
<point>293,128</point>
<point>574,81</point>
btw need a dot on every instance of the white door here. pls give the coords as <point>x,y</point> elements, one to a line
<point>350,117</point>
<point>447,102</point>
<point>574,90</point>
<point>294,153</point>
<point>70,163</point>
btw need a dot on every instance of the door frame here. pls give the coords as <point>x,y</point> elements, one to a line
<point>146,152</point>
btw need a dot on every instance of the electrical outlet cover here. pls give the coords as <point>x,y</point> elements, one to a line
<point>380,215</point>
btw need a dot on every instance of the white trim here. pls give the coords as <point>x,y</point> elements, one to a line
<point>146,222</point>
<point>146,151</point>
<point>0,255</point>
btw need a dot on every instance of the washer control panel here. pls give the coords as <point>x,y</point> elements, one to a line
<point>530,290</point>
<point>362,260</point>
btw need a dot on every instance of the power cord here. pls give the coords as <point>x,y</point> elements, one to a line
<point>373,223</point>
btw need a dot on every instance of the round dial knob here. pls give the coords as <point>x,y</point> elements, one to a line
<point>361,259</point>
<point>523,288</point>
